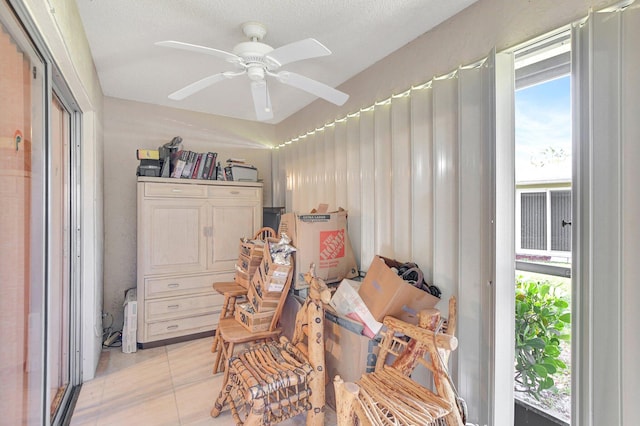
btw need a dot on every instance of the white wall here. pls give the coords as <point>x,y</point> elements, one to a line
<point>131,125</point>
<point>59,25</point>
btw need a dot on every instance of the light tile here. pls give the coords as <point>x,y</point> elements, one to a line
<point>190,363</point>
<point>195,401</point>
<point>157,410</point>
<point>136,384</point>
<point>170,385</point>
<point>117,361</point>
<point>88,405</point>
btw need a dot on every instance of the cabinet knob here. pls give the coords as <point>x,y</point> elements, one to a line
<point>173,306</point>
<point>174,285</point>
<point>235,192</point>
<point>172,327</point>
<point>176,190</point>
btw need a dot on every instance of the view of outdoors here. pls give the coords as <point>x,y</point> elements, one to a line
<point>543,237</point>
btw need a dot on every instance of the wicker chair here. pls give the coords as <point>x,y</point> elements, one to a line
<point>274,381</point>
<point>389,396</point>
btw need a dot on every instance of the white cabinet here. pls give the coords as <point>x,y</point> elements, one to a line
<point>188,234</point>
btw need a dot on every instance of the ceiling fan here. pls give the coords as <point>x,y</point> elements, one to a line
<point>258,60</point>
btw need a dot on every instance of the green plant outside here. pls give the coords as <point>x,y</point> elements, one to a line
<point>543,320</point>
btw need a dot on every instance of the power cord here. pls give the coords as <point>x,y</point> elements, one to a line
<point>114,340</point>
<point>110,338</point>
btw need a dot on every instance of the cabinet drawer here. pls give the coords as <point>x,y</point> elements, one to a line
<point>178,307</point>
<point>175,190</point>
<point>180,327</point>
<point>234,192</point>
<point>182,285</point>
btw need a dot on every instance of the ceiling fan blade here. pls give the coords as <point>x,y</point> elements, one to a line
<point>200,49</point>
<point>189,90</point>
<point>297,51</point>
<point>261,100</point>
<point>314,87</point>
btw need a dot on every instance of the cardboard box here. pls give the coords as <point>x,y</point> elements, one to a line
<point>251,320</point>
<point>385,293</point>
<point>272,269</point>
<point>347,352</point>
<point>346,301</point>
<point>252,248</point>
<point>249,259</point>
<point>259,303</point>
<point>269,286</point>
<point>320,238</point>
<point>248,264</point>
<point>242,278</point>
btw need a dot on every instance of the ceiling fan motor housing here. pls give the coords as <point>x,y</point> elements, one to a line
<point>253,53</point>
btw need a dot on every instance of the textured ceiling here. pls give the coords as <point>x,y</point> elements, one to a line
<point>359,33</point>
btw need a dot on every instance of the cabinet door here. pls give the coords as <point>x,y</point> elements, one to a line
<point>231,220</point>
<point>174,237</point>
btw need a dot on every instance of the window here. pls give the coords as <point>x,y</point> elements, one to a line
<point>543,217</point>
<point>543,169</point>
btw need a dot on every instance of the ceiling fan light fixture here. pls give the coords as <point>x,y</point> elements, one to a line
<point>255,73</point>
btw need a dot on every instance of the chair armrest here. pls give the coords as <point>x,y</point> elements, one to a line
<point>443,341</point>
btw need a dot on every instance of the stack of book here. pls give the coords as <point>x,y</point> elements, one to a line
<point>194,165</point>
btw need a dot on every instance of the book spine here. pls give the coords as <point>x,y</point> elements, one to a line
<point>165,168</point>
<point>207,166</point>
<point>186,173</point>
<point>213,173</point>
<point>180,164</point>
<point>197,168</point>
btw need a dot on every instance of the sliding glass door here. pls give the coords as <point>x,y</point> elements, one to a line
<point>22,226</point>
<point>39,359</point>
<point>59,327</point>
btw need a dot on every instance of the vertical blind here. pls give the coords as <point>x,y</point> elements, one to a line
<point>415,174</point>
<point>606,208</point>
<point>533,220</point>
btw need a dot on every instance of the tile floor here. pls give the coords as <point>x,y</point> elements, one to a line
<point>169,385</point>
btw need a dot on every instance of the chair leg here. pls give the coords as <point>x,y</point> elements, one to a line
<point>255,416</point>
<point>227,352</point>
<point>224,353</point>
<point>346,402</point>
<point>219,346</point>
<point>223,314</point>
<point>315,416</point>
<point>224,394</point>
